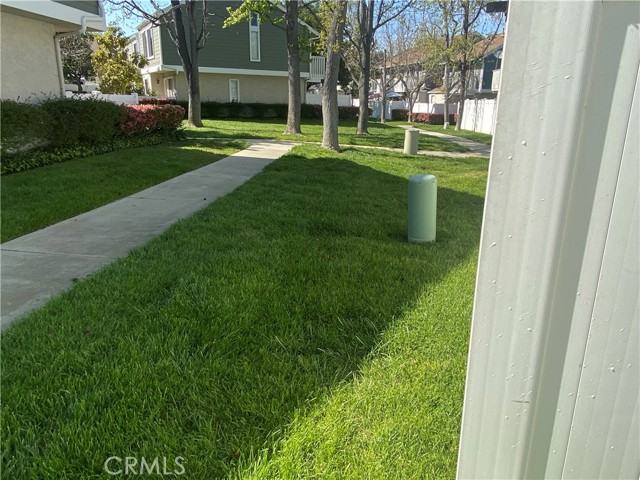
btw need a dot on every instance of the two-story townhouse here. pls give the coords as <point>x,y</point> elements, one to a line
<point>30,33</point>
<point>246,62</point>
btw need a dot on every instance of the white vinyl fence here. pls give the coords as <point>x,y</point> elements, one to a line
<point>479,115</point>
<point>316,99</point>
<point>120,99</point>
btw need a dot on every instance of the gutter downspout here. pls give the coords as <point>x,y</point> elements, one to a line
<point>60,35</point>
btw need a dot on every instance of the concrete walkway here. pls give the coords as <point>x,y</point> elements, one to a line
<point>475,148</point>
<point>39,265</point>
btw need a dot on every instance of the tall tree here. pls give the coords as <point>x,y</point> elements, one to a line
<point>334,14</point>
<point>76,59</point>
<point>457,21</point>
<point>413,61</point>
<point>186,22</point>
<point>271,11</point>
<point>469,49</point>
<point>117,71</point>
<point>365,18</point>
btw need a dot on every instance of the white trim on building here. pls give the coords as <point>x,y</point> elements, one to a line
<point>231,71</point>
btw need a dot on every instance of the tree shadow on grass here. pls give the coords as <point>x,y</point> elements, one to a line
<point>205,342</point>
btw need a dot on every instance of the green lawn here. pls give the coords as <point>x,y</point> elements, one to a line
<point>379,135</point>
<point>285,331</point>
<point>475,136</point>
<point>36,198</point>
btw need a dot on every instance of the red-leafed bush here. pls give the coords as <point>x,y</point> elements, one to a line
<point>428,118</point>
<point>152,118</point>
<point>434,118</point>
<point>157,101</point>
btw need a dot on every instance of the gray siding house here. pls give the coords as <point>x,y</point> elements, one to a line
<point>243,63</point>
<point>30,32</point>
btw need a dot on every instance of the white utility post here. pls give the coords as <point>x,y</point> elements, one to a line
<point>553,376</point>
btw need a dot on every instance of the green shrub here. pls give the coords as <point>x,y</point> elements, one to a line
<point>83,121</point>
<point>23,125</point>
<point>157,101</point>
<point>40,157</point>
<point>399,114</point>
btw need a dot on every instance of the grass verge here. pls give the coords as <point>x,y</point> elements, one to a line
<point>379,135</point>
<point>37,198</point>
<point>285,331</point>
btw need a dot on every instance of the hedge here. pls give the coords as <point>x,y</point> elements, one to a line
<point>40,157</point>
<point>72,128</point>
<point>86,120</point>
<point>151,118</point>
<point>428,118</point>
<point>156,101</point>
<point>220,110</point>
<point>23,125</point>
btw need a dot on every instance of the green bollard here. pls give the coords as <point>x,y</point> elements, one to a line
<point>411,137</point>
<point>423,196</point>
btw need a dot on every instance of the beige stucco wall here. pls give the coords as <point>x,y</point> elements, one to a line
<point>253,88</point>
<point>28,59</point>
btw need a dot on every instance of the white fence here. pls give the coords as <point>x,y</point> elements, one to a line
<point>316,99</point>
<point>434,108</point>
<point>86,88</point>
<point>120,99</point>
<point>479,115</point>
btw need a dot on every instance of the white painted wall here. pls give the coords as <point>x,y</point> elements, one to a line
<point>28,58</point>
<point>553,374</point>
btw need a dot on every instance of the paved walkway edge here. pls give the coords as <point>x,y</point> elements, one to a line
<point>44,263</point>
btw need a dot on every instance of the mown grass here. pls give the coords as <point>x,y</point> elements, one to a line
<point>475,136</point>
<point>379,135</point>
<point>285,331</point>
<point>37,198</point>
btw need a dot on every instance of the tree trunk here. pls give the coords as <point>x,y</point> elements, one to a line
<point>364,54</point>
<point>194,112</point>
<point>188,51</point>
<point>330,88</point>
<point>383,100</point>
<point>363,108</point>
<point>293,68</point>
<point>445,91</point>
<point>463,94</point>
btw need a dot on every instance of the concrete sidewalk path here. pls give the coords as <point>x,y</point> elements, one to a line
<point>39,265</point>
<point>475,148</point>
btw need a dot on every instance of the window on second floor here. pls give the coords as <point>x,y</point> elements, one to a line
<point>147,43</point>
<point>254,37</point>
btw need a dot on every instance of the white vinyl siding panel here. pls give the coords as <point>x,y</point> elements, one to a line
<point>553,373</point>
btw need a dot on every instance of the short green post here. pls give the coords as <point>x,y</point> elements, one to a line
<point>411,137</point>
<point>423,196</point>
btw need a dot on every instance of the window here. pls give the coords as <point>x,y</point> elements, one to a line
<point>135,47</point>
<point>147,42</point>
<point>234,90</point>
<point>254,37</point>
